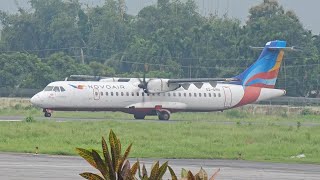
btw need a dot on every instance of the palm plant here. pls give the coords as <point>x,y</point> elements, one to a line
<point>113,165</point>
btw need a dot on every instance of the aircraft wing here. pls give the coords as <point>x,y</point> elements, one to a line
<point>198,82</point>
<point>201,80</point>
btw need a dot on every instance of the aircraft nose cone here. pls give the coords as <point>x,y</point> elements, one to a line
<point>35,100</point>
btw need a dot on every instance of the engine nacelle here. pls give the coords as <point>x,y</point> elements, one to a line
<point>161,85</point>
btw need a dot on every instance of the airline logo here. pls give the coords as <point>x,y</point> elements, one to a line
<point>77,86</point>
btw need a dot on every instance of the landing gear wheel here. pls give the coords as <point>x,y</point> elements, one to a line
<point>164,115</point>
<point>47,114</point>
<point>139,116</point>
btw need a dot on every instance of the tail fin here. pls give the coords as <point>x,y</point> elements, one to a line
<point>264,72</point>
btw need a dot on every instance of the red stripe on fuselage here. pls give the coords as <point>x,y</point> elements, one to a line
<point>251,94</point>
<point>261,85</point>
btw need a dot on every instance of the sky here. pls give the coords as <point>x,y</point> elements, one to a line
<point>306,10</point>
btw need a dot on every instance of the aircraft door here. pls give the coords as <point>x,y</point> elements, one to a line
<point>96,94</point>
<point>227,97</point>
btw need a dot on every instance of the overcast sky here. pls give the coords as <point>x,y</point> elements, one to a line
<point>307,10</point>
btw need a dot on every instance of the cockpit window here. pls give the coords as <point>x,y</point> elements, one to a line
<point>56,89</point>
<point>62,89</point>
<point>48,88</point>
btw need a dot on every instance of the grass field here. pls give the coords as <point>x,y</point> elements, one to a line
<point>179,139</point>
<point>233,134</point>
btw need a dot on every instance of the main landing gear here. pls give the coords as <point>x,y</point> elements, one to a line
<point>139,116</point>
<point>47,112</point>
<point>164,115</point>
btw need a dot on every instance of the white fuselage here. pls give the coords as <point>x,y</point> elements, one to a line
<point>128,97</point>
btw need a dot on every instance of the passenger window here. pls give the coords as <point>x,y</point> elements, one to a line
<point>56,89</point>
<point>185,94</point>
<point>111,93</point>
<point>127,93</point>
<point>190,94</point>
<point>179,94</point>
<point>195,94</point>
<point>158,94</point>
<point>219,95</point>
<point>96,93</point>
<point>205,94</point>
<point>169,94</point>
<point>117,94</point>
<point>101,93</point>
<point>214,94</point>
<point>107,93</point>
<point>142,93</point>
<point>209,94</point>
<point>199,94</point>
<point>132,94</point>
<point>137,94</point>
<point>62,89</point>
<point>122,94</point>
<point>174,94</point>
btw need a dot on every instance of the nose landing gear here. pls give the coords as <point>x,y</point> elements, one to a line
<point>47,112</point>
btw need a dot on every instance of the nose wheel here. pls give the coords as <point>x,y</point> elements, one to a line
<point>47,112</point>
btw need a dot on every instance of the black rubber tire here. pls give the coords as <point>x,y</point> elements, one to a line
<point>164,115</point>
<point>46,114</point>
<point>139,116</point>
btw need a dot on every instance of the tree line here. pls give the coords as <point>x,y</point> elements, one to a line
<point>57,38</point>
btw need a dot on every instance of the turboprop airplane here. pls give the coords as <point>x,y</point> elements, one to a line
<point>161,97</point>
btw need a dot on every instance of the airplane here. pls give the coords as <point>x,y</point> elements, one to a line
<point>162,97</point>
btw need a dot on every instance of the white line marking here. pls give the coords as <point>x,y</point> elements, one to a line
<point>10,120</point>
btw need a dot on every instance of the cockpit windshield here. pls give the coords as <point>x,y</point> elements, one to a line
<point>54,88</point>
<point>48,88</point>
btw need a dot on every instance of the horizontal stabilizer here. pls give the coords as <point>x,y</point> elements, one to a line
<point>293,48</point>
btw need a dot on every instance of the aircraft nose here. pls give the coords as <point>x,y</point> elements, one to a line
<point>35,100</point>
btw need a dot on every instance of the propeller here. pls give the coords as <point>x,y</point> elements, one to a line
<point>143,83</point>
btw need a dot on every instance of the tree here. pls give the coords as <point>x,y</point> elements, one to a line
<point>63,66</point>
<point>20,70</point>
<point>269,21</point>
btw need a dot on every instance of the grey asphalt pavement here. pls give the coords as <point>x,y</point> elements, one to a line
<point>36,167</point>
<point>64,119</point>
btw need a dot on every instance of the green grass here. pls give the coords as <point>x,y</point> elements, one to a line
<point>264,135</point>
<point>181,139</point>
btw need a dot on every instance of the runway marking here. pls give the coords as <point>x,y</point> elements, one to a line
<point>10,120</point>
<point>43,165</point>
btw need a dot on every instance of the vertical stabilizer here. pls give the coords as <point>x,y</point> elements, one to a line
<point>264,72</point>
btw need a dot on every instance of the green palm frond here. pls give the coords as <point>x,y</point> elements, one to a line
<point>107,158</point>
<point>134,168</point>
<point>91,176</point>
<point>87,155</point>
<point>101,166</point>
<point>173,175</point>
<point>163,169</point>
